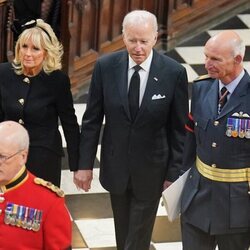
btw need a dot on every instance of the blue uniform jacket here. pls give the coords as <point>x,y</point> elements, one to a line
<point>213,206</point>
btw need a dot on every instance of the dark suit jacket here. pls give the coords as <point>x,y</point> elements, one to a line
<point>147,151</point>
<point>211,205</point>
<point>38,105</point>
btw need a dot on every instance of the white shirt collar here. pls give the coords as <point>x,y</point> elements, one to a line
<point>232,85</point>
<point>145,65</point>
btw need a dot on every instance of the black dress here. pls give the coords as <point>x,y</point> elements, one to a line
<point>38,103</point>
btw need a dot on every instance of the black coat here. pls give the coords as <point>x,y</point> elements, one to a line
<point>148,150</point>
<point>38,103</point>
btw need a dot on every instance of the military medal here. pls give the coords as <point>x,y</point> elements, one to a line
<point>247,134</point>
<point>37,221</point>
<point>229,127</point>
<point>240,124</point>
<point>13,215</point>
<point>20,215</point>
<point>8,212</point>
<point>242,128</point>
<point>235,127</point>
<point>30,218</point>
<point>24,221</point>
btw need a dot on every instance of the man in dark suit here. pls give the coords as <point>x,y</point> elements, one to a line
<point>142,141</point>
<point>216,202</point>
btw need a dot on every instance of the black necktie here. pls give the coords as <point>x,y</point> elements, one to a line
<point>134,92</point>
<point>223,98</point>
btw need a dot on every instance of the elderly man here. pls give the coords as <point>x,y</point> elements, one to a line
<point>143,96</point>
<point>32,210</point>
<point>216,202</point>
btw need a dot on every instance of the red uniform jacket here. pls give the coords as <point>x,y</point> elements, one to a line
<point>33,215</point>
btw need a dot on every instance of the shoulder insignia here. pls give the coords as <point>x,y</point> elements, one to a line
<point>203,77</point>
<point>50,186</point>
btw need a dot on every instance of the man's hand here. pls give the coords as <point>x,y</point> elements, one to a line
<point>82,179</point>
<point>166,184</point>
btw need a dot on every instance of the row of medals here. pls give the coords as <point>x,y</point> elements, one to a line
<point>21,216</point>
<point>238,126</point>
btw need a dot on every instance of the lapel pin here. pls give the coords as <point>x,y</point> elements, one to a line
<point>156,79</point>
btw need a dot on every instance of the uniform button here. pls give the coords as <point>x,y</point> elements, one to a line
<point>216,123</point>
<point>195,124</point>
<point>26,80</point>
<point>2,199</point>
<point>214,144</point>
<point>21,121</point>
<point>21,101</point>
<point>213,165</point>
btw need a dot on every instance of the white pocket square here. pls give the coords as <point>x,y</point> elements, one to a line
<point>157,97</point>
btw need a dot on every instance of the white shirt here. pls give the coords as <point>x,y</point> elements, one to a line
<point>232,85</point>
<point>144,72</point>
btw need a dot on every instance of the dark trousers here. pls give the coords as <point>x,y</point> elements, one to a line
<point>45,164</point>
<point>134,221</point>
<point>195,239</point>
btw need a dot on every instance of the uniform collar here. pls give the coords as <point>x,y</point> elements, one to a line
<point>16,181</point>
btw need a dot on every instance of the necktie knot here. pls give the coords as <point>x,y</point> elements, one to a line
<point>223,91</point>
<point>137,67</point>
<point>223,98</point>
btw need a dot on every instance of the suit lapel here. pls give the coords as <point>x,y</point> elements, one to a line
<point>211,100</point>
<point>121,77</point>
<point>152,83</point>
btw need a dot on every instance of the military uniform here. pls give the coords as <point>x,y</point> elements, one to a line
<point>33,215</point>
<point>216,195</point>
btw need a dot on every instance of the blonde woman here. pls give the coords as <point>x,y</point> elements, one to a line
<point>36,93</point>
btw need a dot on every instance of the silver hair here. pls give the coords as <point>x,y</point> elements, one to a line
<point>136,17</point>
<point>239,47</point>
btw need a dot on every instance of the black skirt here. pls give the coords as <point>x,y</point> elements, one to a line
<point>45,163</point>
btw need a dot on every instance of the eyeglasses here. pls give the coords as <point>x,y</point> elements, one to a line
<point>4,158</point>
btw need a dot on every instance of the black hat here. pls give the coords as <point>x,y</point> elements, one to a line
<point>25,11</point>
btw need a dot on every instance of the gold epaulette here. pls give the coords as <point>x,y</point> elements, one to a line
<point>50,186</point>
<point>203,77</point>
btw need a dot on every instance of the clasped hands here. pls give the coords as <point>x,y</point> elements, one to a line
<point>82,179</point>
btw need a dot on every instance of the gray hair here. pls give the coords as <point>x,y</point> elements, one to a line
<point>136,17</point>
<point>239,47</point>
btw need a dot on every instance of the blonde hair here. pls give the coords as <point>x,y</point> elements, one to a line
<point>43,37</point>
